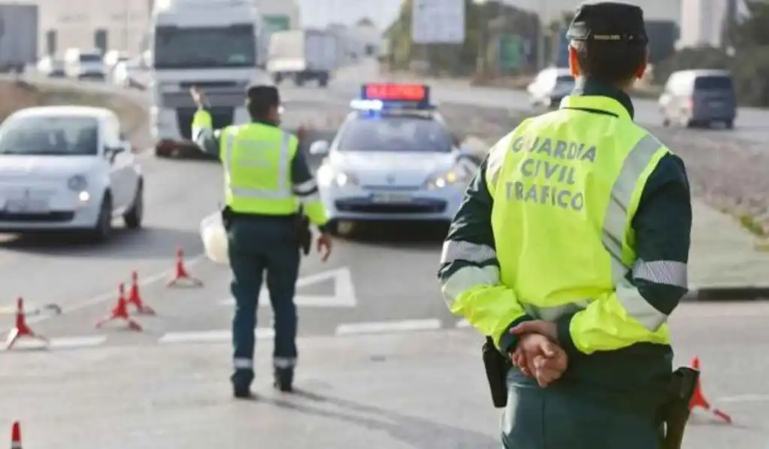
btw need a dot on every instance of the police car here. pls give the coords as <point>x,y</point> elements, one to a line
<point>393,158</point>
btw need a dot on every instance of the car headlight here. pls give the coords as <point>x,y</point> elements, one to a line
<point>77,183</point>
<point>448,178</point>
<point>327,176</point>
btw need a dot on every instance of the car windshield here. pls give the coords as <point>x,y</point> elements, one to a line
<point>394,134</point>
<point>564,79</point>
<point>49,136</point>
<point>191,48</point>
<point>90,57</point>
<point>713,83</point>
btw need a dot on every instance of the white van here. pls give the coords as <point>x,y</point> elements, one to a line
<point>83,64</point>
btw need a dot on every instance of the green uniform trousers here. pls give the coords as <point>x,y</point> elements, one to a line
<point>257,245</point>
<point>570,416</point>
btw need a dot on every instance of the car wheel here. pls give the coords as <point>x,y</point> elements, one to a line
<point>133,218</point>
<point>102,230</point>
<point>666,122</point>
<point>729,124</point>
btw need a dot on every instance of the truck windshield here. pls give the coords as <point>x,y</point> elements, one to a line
<point>192,48</point>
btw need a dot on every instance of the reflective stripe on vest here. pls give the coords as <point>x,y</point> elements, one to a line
<point>283,190</point>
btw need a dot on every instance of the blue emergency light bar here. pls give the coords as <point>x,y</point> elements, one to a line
<point>378,97</point>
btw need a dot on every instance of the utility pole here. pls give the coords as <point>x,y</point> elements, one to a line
<point>126,21</point>
<point>480,63</point>
<point>542,41</point>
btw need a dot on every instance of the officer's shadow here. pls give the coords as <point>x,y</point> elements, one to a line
<point>416,432</point>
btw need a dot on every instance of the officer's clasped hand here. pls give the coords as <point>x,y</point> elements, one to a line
<point>538,354</point>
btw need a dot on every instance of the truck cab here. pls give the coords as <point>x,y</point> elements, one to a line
<point>216,45</point>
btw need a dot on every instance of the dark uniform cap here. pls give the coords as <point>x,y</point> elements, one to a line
<point>263,94</point>
<point>608,22</point>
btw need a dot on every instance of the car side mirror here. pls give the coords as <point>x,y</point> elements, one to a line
<point>319,148</point>
<point>112,152</point>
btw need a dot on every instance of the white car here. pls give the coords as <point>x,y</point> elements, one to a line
<point>397,165</point>
<point>66,168</point>
<point>127,74</point>
<point>550,86</point>
<point>51,67</point>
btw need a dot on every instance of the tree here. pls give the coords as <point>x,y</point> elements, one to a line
<point>365,22</point>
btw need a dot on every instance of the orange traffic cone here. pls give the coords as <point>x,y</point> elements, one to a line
<point>181,276</point>
<point>120,312</point>
<point>16,435</point>
<point>699,401</point>
<point>21,329</point>
<point>135,298</point>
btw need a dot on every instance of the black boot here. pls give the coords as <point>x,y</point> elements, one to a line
<point>242,393</point>
<point>284,379</point>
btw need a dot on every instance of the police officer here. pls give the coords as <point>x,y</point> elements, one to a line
<point>266,178</point>
<point>570,249</point>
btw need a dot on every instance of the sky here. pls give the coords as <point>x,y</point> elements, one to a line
<point>320,13</point>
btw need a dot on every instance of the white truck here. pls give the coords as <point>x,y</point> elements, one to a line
<point>303,55</point>
<point>216,45</point>
<point>18,36</point>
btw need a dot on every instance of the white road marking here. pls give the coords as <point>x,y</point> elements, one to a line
<point>344,291</point>
<point>462,324</point>
<point>387,327</point>
<point>744,398</point>
<point>215,336</point>
<point>110,295</point>
<point>78,342</point>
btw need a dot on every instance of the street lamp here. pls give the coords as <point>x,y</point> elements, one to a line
<point>480,63</point>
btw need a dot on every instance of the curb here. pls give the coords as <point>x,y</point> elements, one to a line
<point>728,294</point>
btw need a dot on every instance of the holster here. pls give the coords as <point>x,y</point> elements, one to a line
<point>675,412</point>
<point>227,218</point>
<point>497,366</point>
<point>302,231</point>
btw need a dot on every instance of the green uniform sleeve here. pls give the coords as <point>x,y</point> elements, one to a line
<point>306,189</point>
<point>203,134</point>
<point>469,272</point>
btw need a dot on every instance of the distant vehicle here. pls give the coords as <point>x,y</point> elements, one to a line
<point>212,44</point>
<point>51,67</point>
<point>18,44</point>
<point>67,168</point>
<point>84,64</point>
<point>550,86</point>
<point>392,159</point>
<point>112,57</point>
<point>128,74</point>
<point>694,98</point>
<point>303,55</point>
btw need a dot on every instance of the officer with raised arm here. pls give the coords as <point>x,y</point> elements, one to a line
<point>570,251</point>
<point>266,180</point>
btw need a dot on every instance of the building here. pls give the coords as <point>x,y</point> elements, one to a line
<point>702,21</point>
<point>124,23</point>
<point>76,23</point>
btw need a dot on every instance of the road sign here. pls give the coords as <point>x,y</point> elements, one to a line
<point>438,22</point>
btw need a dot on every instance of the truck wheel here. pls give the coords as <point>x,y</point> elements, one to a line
<point>298,80</point>
<point>277,78</point>
<point>323,80</point>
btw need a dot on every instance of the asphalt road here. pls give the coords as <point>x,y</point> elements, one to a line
<point>383,281</point>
